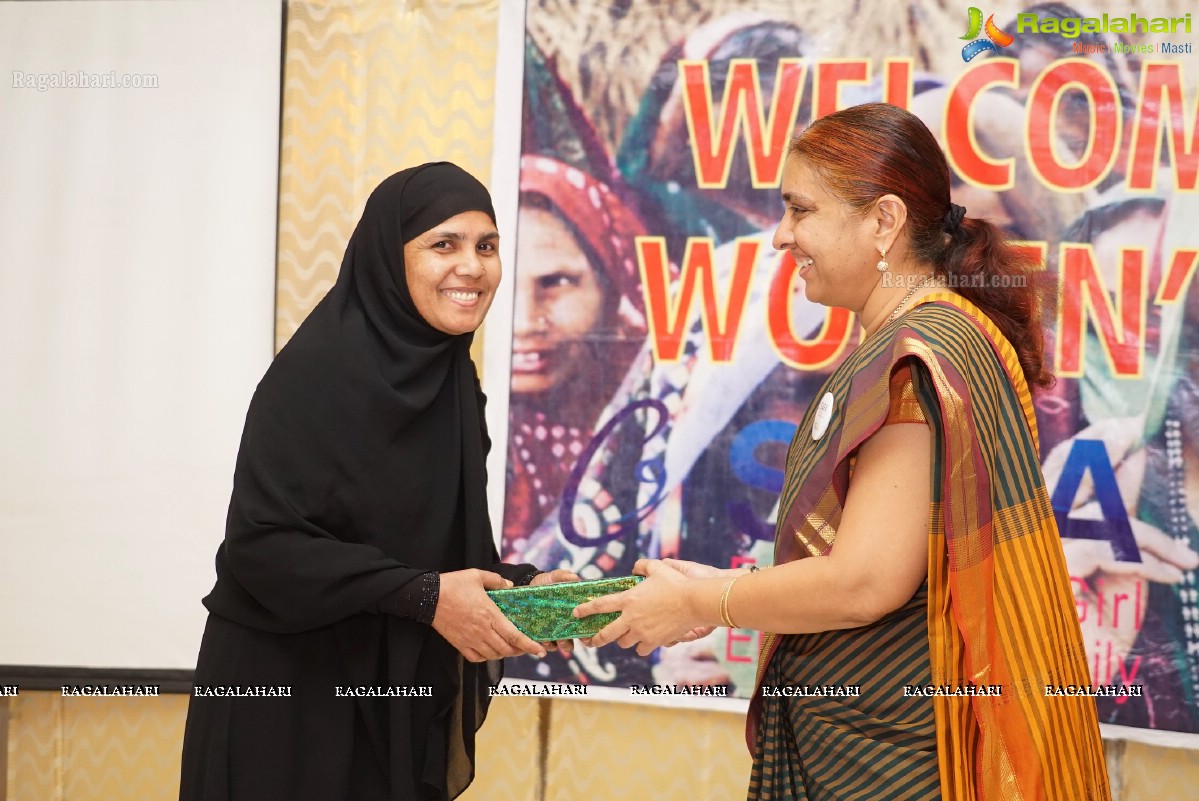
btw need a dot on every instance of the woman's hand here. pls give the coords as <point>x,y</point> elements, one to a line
<point>553,577</point>
<point>564,647</point>
<point>472,623</point>
<point>652,614</point>
<point>688,569</point>
<point>692,663</point>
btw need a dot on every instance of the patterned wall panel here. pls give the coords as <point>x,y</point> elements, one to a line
<point>607,750</point>
<point>122,747</point>
<point>35,748</point>
<point>1148,773</point>
<point>508,752</point>
<point>128,750</point>
<point>368,89</point>
<point>95,749</point>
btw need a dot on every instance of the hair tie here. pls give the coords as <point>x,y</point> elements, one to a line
<point>953,218</point>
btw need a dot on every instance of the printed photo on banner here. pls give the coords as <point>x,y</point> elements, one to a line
<point>663,353</point>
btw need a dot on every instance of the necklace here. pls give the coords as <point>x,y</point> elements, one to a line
<point>895,312</point>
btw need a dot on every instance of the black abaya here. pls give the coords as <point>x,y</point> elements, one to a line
<point>361,466</point>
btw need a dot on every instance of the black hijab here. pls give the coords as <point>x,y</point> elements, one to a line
<point>364,376</point>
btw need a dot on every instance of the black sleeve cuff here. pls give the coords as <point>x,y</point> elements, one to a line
<point>416,600</point>
<point>523,579</point>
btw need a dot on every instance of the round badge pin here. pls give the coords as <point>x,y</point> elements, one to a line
<point>824,414</point>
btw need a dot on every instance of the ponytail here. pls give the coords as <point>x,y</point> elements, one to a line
<point>1008,285</point>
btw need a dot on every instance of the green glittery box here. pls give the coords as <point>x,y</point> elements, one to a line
<point>545,613</point>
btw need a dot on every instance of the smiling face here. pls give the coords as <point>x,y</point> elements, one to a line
<point>453,270</point>
<point>833,246</point>
<point>559,301</point>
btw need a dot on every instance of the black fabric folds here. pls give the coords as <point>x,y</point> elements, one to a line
<point>362,465</point>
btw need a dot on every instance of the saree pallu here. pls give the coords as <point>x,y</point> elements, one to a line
<point>1000,611</point>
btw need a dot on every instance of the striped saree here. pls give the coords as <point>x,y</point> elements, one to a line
<point>1000,609</point>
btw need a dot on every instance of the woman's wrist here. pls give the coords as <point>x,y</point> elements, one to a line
<point>416,599</point>
<point>724,609</point>
<point>703,598</point>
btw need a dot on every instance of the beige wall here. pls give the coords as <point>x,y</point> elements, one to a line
<point>370,88</point>
<point>114,749</point>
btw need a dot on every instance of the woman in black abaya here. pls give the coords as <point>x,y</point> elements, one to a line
<point>358,545</point>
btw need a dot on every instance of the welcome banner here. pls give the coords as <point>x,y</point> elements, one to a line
<point>662,352</point>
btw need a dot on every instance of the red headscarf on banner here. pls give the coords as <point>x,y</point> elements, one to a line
<point>607,225</point>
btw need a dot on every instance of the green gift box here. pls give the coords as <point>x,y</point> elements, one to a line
<point>544,613</point>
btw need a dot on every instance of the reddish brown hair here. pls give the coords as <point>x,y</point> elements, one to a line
<point>864,152</point>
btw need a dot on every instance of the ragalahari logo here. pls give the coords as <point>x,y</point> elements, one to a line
<point>994,39</point>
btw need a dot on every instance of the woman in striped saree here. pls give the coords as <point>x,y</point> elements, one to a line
<point>923,641</point>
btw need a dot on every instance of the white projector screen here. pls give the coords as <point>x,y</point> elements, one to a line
<point>137,251</point>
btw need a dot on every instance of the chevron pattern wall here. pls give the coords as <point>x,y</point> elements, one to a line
<point>94,749</point>
<point>370,88</point>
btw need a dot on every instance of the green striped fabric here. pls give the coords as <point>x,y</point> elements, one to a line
<point>877,746</point>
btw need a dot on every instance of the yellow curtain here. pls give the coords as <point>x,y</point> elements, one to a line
<point>370,88</point>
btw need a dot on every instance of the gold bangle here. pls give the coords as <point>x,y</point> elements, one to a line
<point>725,618</point>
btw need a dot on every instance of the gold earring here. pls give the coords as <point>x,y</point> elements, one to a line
<point>882,262</point>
